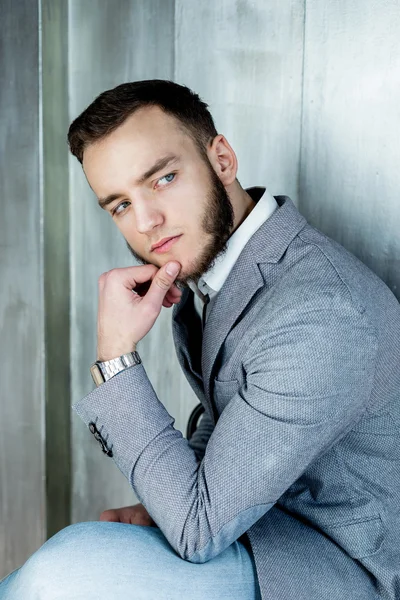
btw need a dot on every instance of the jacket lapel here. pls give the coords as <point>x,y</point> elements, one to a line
<point>187,335</point>
<point>240,287</point>
<point>267,245</point>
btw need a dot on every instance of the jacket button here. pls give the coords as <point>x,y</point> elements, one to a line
<point>92,427</point>
<point>104,448</point>
<point>100,439</point>
<point>107,451</point>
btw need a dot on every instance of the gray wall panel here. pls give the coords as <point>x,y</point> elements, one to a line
<point>56,262</point>
<point>22,471</point>
<point>350,153</point>
<point>110,43</point>
<point>245,59</point>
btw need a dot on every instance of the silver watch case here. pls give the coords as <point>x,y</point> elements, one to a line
<point>103,371</point>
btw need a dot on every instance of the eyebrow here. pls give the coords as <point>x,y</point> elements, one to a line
<point>160,164</point>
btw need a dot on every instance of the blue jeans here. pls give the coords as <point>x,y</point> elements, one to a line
<point>98,559</point>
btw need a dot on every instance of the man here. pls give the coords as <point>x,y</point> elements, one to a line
<point>290,487</point>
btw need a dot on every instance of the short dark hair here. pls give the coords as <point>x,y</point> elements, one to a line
<point>112,107</point>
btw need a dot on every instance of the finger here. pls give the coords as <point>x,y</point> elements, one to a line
<point>174,291</point>
<point>132,277</point>
<point>173,296</point>
<point>167,303</point>
<point>110,515</point>
<point>143,288</point>
<point>160,285</point>
<point>132,516</point>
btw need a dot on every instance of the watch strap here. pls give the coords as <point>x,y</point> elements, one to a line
<point>104,370</point>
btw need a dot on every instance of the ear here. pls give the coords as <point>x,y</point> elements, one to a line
<point>223,159</point>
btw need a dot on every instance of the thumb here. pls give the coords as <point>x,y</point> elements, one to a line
<point>161,283</point>
<point>172,268</point>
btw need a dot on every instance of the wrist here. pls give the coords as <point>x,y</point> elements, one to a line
<point>104,354</point>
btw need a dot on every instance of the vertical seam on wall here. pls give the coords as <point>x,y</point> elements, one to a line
<point>71,248</point>
<point>302,105</point>
<point>41,265</point>
<point>174,45</point>
<point>56,275</point>
<point>67,81</point>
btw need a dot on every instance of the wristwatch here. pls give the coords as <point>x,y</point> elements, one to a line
<point>103,370</point>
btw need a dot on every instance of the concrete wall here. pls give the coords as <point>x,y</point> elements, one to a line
<point>22,435</point>
<point>307,93</point>
<point>349,176</point>
<point>109,43</point>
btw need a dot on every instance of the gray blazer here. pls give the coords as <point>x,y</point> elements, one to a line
<point>298,452</point>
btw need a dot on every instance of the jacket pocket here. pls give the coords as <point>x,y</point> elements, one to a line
<point>359,538</point>
<point>223,392</point>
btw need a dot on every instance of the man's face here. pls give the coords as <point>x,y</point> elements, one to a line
<point>157,185</point>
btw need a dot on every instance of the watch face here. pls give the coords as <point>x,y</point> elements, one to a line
<point>97,375</point>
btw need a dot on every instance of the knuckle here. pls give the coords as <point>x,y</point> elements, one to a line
<point>107,514</point>
<point>163,282</point>
<point>113,274</point>
<point>104,277</point>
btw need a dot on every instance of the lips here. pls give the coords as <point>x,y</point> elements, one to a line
<point>162,242</point>
<point>166,245</point>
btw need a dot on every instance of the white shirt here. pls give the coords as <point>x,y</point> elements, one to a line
<point>212,281</point>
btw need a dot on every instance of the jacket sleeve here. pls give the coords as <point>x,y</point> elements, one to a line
<point>201,435</point>
<point>309,372</point>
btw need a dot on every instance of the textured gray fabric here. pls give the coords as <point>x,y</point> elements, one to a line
<point>201,435</point>
<point>299,376</point>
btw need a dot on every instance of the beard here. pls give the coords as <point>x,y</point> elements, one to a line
<point>217,223</point>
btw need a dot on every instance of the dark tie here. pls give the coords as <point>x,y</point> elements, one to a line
<point>206,301</point>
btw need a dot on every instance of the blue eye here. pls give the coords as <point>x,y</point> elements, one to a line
<point>168,178</point>
<point>116,211</point>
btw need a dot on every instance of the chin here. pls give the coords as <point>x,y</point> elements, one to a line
<point>184,275</point>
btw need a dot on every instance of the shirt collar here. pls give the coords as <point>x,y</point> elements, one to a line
<point>212,281</point>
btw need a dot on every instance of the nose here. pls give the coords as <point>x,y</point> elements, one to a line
<point>147,216</point>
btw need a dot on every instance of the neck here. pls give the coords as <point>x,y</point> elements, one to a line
<point>242,203</point>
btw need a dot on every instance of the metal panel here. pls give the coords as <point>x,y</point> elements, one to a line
<point>22,473</point>
<point>56,262</point>
<point>110,43</point>
<point>351,152</point>
<point>244,58</point>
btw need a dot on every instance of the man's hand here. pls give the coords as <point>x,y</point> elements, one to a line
<point>133,515</point>
<point>126,316</point>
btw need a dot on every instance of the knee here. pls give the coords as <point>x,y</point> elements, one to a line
<point>69,563</point>
<point>58,564</point>
<point>70,543</point>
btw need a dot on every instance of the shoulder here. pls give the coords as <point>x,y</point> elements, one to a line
<point>318,293</point>
<point>317,268</point>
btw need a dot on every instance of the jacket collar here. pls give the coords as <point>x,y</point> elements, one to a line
<point>212,281</point>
